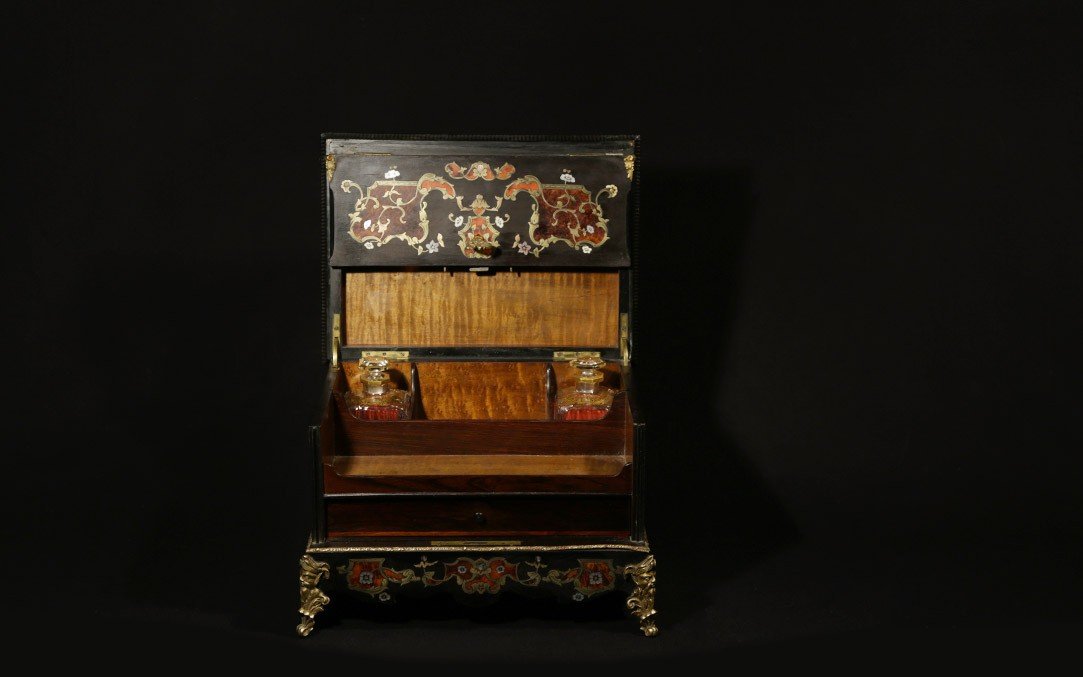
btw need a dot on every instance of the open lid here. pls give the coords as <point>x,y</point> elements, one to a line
<point>465,203</point>
<point>461,248</point>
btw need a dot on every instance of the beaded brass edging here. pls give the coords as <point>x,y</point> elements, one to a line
<point>477,548</point>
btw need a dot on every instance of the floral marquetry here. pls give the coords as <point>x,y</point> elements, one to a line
<point>393,206</point>
<point>370,576</point>
<point>478,170</point>
<point>589,578</point>
<point>480,575</point>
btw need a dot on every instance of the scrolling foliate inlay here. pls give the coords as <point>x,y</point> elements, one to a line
<point>562,212</point>
<point>370,576</point>
<point>479,170</point>
<point>396,209</point>
<point>479,576</point>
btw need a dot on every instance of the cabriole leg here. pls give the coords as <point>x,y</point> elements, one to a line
<point>641,601</point>
<point>312,598</point>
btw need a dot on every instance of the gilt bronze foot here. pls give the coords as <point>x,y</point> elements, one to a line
<point>312,598</point>
<point>641,601</point>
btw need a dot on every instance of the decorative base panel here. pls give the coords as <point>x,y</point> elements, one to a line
<point>579,573</point>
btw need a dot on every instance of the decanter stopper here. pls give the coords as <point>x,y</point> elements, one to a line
<point>589,372</point>
<point>374,375</point>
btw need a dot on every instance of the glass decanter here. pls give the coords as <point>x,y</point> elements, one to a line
<point>587,399</point>
<point>378,400</point>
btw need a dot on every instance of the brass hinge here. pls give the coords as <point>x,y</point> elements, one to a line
<point>336,339</point>
<point>565,355</point>
<point>389,355</point>
<point>625,340</point>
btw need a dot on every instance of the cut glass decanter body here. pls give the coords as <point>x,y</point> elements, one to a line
<point>378,400</point>
<point>587,399</point>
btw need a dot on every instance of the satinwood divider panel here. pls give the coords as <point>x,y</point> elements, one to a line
<point>533,309</point>
<point>483,390</point>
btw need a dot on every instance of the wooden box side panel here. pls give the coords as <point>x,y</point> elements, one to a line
<point>537,309</point>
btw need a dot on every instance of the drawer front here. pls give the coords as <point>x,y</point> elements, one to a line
<point>508,516</point>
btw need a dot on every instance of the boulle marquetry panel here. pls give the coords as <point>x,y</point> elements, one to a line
<point>576,575</point>
<point>418,206</point>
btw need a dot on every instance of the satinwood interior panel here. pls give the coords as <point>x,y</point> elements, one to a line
<point>539,309</point>
<point>483,390</point>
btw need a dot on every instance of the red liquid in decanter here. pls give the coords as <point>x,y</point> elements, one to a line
<point>588,399</point>
<point>380,413</point>
<point>585,412</point>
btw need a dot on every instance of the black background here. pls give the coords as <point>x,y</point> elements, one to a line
<point>858,337</point>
